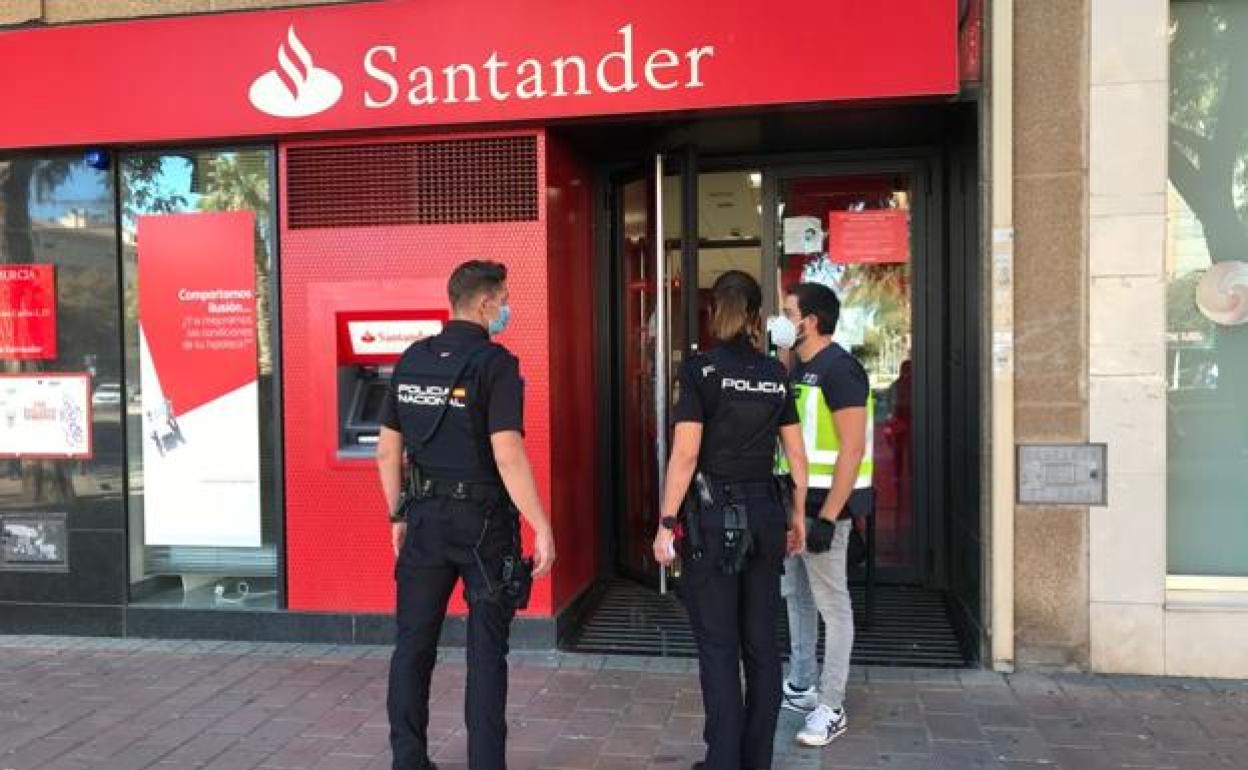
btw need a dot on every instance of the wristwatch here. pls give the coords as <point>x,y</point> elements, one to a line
<point>668,523</point>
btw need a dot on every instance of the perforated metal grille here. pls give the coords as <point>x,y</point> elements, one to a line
<point>435,182</point>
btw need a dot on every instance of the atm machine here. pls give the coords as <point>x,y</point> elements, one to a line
<point>369,344</point>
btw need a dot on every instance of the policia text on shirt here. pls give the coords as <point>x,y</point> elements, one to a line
<point>457,479</point>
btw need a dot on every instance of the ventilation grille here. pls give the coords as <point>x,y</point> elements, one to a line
<point>450,181</point>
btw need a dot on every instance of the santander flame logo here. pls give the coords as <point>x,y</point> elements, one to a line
<point>296,88</point>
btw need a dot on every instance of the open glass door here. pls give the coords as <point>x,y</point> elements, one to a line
<point>652,342</point>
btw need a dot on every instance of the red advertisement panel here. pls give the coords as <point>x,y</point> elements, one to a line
<point>869,237</point>
<point>27,312</point>
<point>414,62</point>
<point>198,381</point>
<point>197,302</point>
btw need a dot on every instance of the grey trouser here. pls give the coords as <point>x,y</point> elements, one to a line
<point>816,582</point>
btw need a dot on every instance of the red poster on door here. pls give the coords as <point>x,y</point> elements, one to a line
<point>27,312</point>
<point>869,237</point>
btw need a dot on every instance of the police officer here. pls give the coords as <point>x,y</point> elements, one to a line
<point>734,402</point>
<point>453,422</point>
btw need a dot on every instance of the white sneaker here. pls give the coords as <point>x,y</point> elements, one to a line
<point>823,725</point>
<point>801,701</point>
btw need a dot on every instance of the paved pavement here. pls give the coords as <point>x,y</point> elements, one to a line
<point>110,704</point>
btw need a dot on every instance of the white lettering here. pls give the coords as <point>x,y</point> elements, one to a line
<point>493,65</point>
<point>625,57</point>
<point>531,86</point>
<point>652,64</point>
<point>695,55</point>
<point>613,72</point>
<point>749,386</point>
<point>421,92</point>
<point>561,65</point>
<point>379,74</point>
<point>471,80</point>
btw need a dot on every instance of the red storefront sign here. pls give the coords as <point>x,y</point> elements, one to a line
<point>27,312</point>
<point>417,63</point>
<point>869,237</point>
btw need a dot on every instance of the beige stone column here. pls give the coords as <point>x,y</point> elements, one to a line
<point>1050,311</point>
<point>1127,399</point>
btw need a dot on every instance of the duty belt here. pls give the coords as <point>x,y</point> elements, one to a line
<point>746,490</point>
<point>477,491</point>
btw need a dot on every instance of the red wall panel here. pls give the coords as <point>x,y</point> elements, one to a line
<point>573,391</point>
<point>337,536</point>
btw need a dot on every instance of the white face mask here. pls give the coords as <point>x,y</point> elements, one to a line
<point>782,331</point>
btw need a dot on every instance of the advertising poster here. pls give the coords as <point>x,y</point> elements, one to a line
<point>27,312</point>
<point>198,379</point>
<point>872,237</point>
<point>45,415</point>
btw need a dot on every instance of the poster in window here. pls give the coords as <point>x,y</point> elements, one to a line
<point>198,379</point>
<point>45,415</point>
<point>869,237</point>
<point>27,312</point>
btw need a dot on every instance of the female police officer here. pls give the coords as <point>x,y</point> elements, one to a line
<point>734,401</point>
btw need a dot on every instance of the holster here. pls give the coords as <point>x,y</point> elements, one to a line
<point>409,495</point>
<point>738,540</point>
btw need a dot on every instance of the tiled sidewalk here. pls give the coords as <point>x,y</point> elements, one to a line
<point>72,704</point>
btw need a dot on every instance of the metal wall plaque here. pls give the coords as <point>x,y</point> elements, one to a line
<point>34,542</point>
<point>1062,474</point>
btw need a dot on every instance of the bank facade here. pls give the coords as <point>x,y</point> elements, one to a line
<point>223,222</point>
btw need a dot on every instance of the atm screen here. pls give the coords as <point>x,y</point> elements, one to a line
<point>371,399</point>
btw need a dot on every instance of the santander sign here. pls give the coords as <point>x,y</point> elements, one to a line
<point>298,88</point>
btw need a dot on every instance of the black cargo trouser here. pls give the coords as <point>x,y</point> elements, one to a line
<point>442,534</point>
<point>734,623</point>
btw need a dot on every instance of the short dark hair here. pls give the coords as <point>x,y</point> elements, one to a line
<point>474,278</point>
<point>820,301</point>
<point>737,299</point>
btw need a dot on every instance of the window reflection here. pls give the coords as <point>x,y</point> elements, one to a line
<point>57,211</point>
<point>1207,292</point>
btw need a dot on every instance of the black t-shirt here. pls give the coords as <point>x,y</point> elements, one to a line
<point>487,398</point>
<point>838,374</point>
<point>742,397</point>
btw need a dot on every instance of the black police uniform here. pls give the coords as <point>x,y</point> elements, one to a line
<point>460,526</point>
<point>741,397</point>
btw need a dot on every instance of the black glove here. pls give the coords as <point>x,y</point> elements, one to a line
<point>819,534</point>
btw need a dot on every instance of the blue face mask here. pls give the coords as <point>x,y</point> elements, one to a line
<point>497,325</point>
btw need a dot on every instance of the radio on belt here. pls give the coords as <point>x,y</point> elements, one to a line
<point>369,344</point>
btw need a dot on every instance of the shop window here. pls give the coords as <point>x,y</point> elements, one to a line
<point>198,256</point>
<point>1207,291</point>
<point>60,382</point>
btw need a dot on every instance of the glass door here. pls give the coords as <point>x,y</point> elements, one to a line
<point>854,233</point>
<point>652,343</point>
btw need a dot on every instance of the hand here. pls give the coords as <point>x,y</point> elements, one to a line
<point>797,534</point>
<point>665,546</point>
<point>819,534</point>
<point>543,551</point>
<point>398,533</point>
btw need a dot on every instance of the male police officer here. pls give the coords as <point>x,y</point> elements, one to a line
<point>454,410</point>
<point>834,404</point>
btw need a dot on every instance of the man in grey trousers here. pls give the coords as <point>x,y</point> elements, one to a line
<point>834,404</point>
